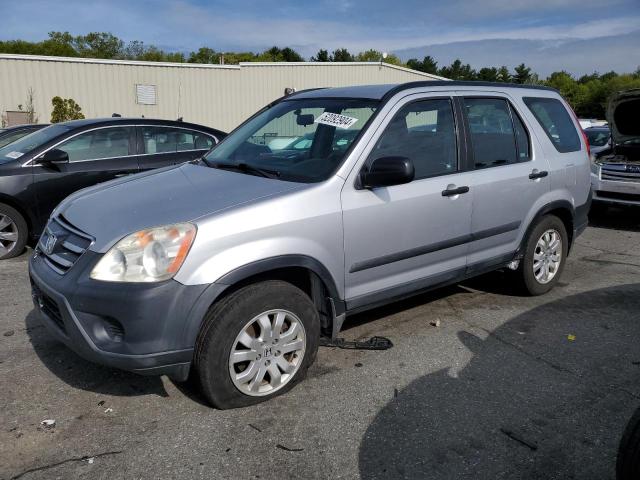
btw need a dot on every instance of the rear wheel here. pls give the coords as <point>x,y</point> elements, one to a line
<point>13,232</point>
<point>256,344</point>
<point>544,256</point>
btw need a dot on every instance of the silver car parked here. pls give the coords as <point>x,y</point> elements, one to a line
<point>233,267</point>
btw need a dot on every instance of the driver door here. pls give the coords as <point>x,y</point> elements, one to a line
<point>403,238</point>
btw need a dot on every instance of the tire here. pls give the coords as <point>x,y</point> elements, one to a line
<point>628,464</point>
<point>528,281</point>
<point>239,312</point>
<point>13,232</point>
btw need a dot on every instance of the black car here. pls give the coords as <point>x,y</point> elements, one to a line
<point>11,134</point>
<point>40,169</point>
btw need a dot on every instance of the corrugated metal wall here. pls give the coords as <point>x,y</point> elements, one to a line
<point>218,96</point>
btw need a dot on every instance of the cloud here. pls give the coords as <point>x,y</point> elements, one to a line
<point>184,25</point>
<point>577,56</point>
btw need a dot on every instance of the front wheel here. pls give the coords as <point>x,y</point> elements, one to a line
<point>545,256</point>
<point>256,344</point>
<point>13,232</point>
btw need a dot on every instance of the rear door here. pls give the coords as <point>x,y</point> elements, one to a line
<point>161,146</point>
<point>509,176</point>
<point>95,156</point>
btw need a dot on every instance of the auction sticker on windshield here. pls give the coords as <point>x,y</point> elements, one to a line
<point>14,155</point>
<point>335,120</point>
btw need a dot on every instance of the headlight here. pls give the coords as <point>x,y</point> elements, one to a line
<point>595,168</point>
<point>147,256</point>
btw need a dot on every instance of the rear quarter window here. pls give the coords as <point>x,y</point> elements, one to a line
<point>556,122</point>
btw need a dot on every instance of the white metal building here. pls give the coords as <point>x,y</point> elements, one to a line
<point>220,96</point>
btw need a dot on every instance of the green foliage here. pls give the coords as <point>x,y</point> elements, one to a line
<point>341,55</point>
<point>65,109</point>
<point>372,55</point>
<point>427,65</point>
<point>458,71</point>
<point>321,56</point>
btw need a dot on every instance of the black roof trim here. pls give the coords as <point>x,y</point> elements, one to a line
<point>460,83</point>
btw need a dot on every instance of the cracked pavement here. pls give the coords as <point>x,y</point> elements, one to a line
<point>506,387</point>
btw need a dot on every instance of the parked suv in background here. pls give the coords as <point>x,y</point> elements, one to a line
<point>615,172</point>
<point>234,267</point>
<point>40,169</point>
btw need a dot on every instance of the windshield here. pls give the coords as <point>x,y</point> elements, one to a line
<point>27,143</point>
<point>295,140</point>
<point>598,138</point>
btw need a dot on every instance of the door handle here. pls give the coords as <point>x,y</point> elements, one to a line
<point>534,175</point>
<point>451,191</point>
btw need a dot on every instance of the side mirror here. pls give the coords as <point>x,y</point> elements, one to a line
<point>54,156</point>
<point>388,171</point>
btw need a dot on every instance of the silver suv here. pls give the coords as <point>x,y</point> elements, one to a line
<point>231,268</point>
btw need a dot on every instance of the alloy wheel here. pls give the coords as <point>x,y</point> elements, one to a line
<point>267,352</point>
<point>547,256</point>
<point>8,234</point>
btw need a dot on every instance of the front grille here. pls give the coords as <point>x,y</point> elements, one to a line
<point>61,244</point>
<point>49,307</point>
<point>621,172</point>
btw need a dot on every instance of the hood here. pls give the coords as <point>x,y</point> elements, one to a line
<point>115,209</point>
<point>623,115</point>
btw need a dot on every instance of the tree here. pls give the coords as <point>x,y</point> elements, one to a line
<point>504,75</point>
<point>321,56</point>
<point>488,74</point>
<point>341,55</point>
<point>372,55</point>
<point>99,45</point>
<point>458,71</point>
<point>523,74</point>
<point>65,109</point>
<point>30,107</point>
<point>427,65</point>
<point>290,55</point>
<point>204,55</point>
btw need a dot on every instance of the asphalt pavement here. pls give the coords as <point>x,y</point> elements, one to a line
<point>506,387</point>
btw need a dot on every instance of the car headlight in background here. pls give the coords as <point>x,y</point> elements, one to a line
<point>149,255</point>
<point>595,167</point>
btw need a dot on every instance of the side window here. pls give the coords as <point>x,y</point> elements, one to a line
<point>202,141</point>
<point>98,144</point>
<point>492,136</point>
<point>522,138</point>
<point>424,132</point>
<point>556,122</point>
<point>170,140</point>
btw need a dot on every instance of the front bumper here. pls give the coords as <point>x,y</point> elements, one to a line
<point>622,193</point>
<point>144,328</point>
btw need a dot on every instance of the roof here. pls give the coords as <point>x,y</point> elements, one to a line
<point>45,58</point>
<point>87,122</point>
<point>379,92</point>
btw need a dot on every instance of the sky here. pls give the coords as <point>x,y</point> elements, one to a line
<point>581,36</point>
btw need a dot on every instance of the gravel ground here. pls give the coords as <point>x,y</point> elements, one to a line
<point>505,387</point>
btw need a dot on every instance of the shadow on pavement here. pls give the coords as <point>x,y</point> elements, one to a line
<point>615,218</point>
<point>82,374</point>
<point>533,402</point>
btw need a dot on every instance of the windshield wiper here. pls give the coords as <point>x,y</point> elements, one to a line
<point>246,168</point>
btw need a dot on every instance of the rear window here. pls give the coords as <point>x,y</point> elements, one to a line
<point>556,122</point>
